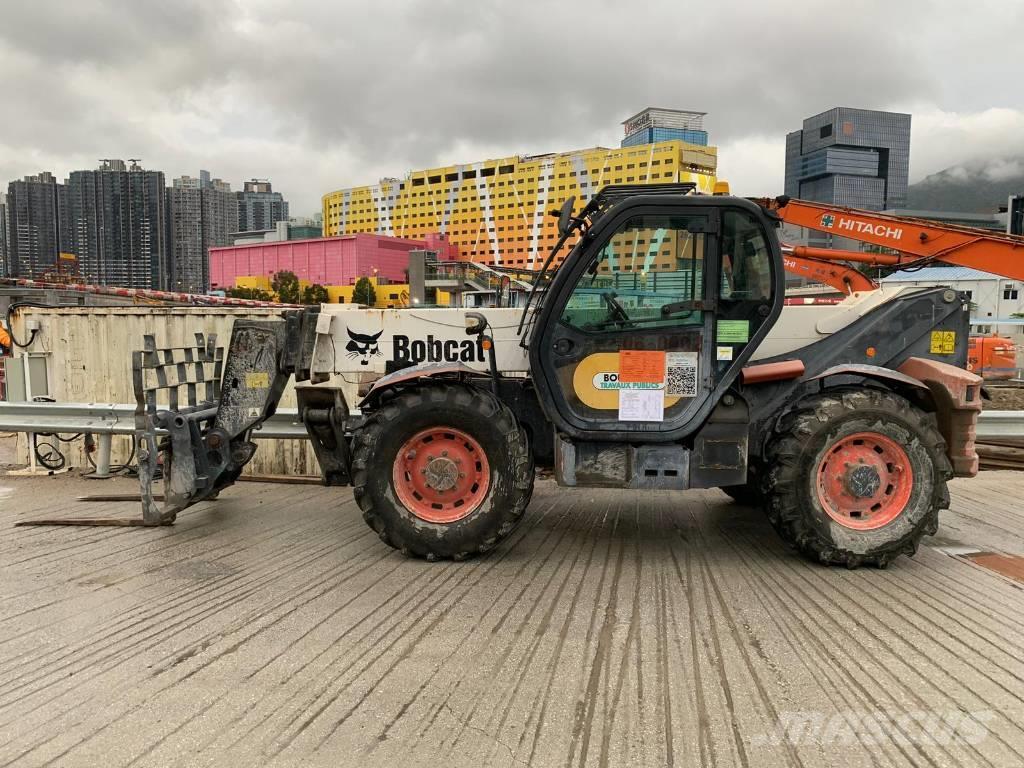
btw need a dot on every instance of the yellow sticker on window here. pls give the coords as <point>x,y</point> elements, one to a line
<point>257,380</point>
<point>943,343</point>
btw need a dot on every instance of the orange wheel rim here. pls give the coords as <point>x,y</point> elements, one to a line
<point>441,475</point>
<point>864,481</point>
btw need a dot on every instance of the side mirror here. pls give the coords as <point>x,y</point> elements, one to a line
<point>565,216</point>
<point>475,323</point>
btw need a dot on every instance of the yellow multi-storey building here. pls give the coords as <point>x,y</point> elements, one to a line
<point>496,210</point>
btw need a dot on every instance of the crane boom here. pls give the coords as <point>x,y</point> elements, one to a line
<point>980,249</point>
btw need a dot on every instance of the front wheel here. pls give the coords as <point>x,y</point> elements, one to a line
<point>856,477</point>
<point>442,471</point>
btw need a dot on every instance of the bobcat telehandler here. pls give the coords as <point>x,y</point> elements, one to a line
<point>658,355</point>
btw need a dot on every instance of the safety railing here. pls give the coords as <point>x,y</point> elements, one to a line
<point>995,424</point>
<point>103,420</point>
<point>119,419</point>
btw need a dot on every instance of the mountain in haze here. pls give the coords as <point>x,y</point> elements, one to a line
<point>980,186</point>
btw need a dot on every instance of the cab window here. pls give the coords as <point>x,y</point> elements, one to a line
<point>746,260</point>
<point>647,275</point>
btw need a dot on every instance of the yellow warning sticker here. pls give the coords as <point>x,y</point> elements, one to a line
<point>257,380</point>
<point>943,343</point>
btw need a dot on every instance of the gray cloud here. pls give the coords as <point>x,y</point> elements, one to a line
<point>317,94</point>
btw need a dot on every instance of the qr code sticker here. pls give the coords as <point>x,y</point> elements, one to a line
<point>681,374</point>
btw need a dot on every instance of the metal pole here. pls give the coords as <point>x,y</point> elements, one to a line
<point>103,457</point>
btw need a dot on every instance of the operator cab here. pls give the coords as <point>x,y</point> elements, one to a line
<point>653,313</point>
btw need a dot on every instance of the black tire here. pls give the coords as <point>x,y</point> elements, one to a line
<point>802,438</point>
<point>468,409</point>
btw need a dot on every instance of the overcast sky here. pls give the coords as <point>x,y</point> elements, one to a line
<point>321,94</point>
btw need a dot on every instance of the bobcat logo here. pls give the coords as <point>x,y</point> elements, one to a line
<point>362,345</point>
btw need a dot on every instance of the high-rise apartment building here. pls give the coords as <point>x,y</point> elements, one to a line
<point>118,219</point>
<point>854,157</point>
<point>3,235</point>
<point>203,213</point>
<point>496,211</point>
<point>37,228</point>
<point>260,207</point>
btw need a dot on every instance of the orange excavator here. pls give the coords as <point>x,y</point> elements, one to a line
<point>991,356</point>
<point>909,243</point>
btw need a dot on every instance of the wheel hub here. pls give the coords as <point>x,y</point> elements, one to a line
<point>864,480</point>
<point>441,475</point>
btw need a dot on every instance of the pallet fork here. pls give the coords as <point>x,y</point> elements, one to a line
<point>213,402</point>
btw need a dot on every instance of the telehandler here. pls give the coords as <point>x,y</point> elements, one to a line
<point>658,355</point>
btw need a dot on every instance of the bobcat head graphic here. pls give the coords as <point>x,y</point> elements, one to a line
<point>362,345</point>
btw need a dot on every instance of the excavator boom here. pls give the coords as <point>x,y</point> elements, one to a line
<point>918,239</point>
<point>843,278</point>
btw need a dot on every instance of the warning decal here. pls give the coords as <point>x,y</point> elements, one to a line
<point>943,343</point>
<point>641,366</point>
<point>257,380</point>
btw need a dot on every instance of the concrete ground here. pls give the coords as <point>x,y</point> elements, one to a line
<point>273,628</point>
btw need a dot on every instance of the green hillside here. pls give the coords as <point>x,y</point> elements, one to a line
<point>978,187</point>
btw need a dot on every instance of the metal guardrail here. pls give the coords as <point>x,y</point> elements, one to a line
<point>993,424</point>
<point>107,419</point>
<point>117,419</point>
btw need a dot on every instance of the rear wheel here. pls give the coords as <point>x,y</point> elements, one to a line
<point>856,477</point>
<point>442,471</point>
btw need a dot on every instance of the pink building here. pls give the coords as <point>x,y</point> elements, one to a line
<point>327,260</point>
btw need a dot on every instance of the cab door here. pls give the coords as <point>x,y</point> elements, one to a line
<point>653,315</point>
